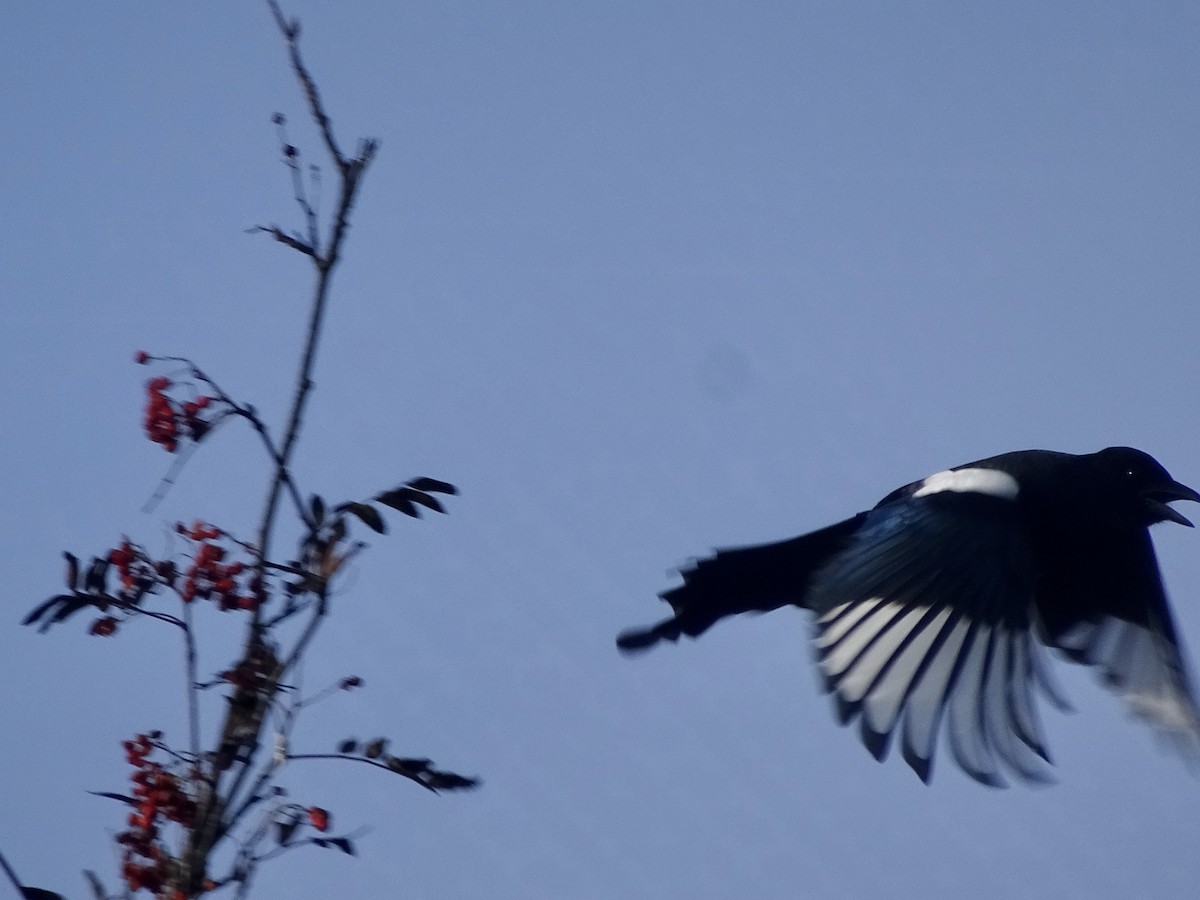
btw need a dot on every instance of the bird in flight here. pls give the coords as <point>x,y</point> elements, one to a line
<point>931,611</point>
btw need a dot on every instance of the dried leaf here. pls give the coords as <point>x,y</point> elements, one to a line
<point>375,749</point>
<point>42,608</point>
<point>337,530</point>
<point>399,500</point>
<point>347,746</point>
<point>426,500</point>
<point>130,800</point>
<point>317,508</point>
<point>367,514</point>
<point>424,483</point>
<point>448,781</point>
<point>285,828</point>
<point>95,884</point>
<point>72,574</point>
<point>97,571</point>
<point>408,766</point>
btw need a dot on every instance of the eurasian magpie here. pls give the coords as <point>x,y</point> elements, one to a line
<point>933,606</point>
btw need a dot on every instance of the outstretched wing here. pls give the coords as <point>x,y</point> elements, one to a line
<point>925,619</point>
<point>1129,636</point>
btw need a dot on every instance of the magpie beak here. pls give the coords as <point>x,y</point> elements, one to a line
<point>1158,498</point>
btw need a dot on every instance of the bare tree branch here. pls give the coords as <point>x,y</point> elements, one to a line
<point>284,238</point>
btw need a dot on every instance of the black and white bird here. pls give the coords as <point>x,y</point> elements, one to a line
<point>930,610</point>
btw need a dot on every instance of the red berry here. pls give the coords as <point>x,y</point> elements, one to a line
<point>319,818</point>
<point>104,626</point>
<point>141,357</point>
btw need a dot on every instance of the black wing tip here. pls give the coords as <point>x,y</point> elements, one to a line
<point>877,743</point>
<point>844,710</point>
<point>987,778</point>
<point>919,764</point>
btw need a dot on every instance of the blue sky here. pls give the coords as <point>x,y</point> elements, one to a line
<point>642,279</point>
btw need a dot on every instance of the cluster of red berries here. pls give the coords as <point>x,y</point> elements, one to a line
<point>160,414</point>
<point>145,863</point>
<point>137,572</point>
<point>167,422</point>
<point>210,577</point>
<point>139,575</point>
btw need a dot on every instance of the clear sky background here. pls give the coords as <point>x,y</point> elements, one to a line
<point>643,279</point>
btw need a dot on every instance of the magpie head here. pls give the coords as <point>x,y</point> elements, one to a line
<point>1144,485</point>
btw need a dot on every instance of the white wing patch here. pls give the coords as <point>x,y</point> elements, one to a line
<point>992,482</point>
<point>884,660</point>
<point>1139,665</point>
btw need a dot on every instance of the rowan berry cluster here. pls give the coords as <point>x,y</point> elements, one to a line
<point>210,577</point>
<point>138,574</point>
<point>168,421</point>
<point>160,797</point>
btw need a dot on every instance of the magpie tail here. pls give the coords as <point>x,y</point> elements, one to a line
<point>745,579</point>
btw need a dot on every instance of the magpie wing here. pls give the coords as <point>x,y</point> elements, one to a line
<point>1129,637</point>
<point>924,621</point>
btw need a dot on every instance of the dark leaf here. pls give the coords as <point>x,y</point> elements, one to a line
<point>317,507</point>
<point>38,894</point>
<point>285,828</point>
<point>366,513</point>
<point>399,500</point>
<point>426,500</point>
<point>94,883</point>
<point>403,498</point>
<point>432,484</point>
<point>97,571</point>
<point>375,749</point>
<point>347,746</point>
<point>337,530</point>
<point>343,844</point>
<point>448,781</point>
<point>74,604</point>
<point>42,608</point>
<point>320,842</point>
<point>408,766</point>
<point>130,800</point>
<point>72,576</point>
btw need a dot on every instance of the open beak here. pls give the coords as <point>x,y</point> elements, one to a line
<point>1158,498</point>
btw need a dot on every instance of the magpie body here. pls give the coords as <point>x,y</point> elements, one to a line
<point>932,609</point>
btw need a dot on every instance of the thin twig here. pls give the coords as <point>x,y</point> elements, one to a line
<point>12,876</point>
<point>362,759</point>
<point>193,700</point>
<point>212,824</point>
<point>308,249</point>
<point>291,34</point>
